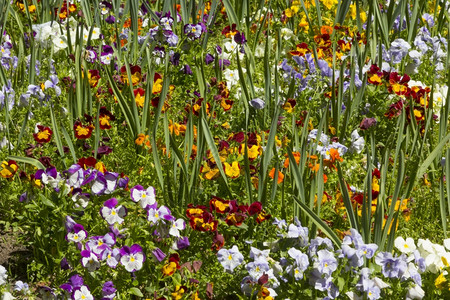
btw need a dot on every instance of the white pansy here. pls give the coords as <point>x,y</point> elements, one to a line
<point>3,275</point>
<point>405,246</point>
<point>7,296</point>
<point>286,33</point>
<point>357,142</point>
<point>415,292</point>
<point>231,46</point>
<point>231,77</point>
<point>83,293</point>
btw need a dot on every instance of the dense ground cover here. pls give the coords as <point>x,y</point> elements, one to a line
<point>224,149</point>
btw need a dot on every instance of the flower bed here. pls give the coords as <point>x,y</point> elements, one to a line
<point>225,149</point>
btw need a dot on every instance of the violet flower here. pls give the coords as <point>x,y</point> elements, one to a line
<point>111,213</point>
<point>146,197</point>
<point>108,290</point>
<point>194,31</point>
<point>132,258</point>
<point>158,254</point>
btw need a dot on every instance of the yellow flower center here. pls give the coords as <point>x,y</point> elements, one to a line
<point>43,135</point>
<point>82,130</point>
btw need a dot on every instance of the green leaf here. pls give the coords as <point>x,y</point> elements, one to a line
<point>136,292</point>
<point>46,201</point>
<point>319,223</point>
<point>432,156</point>
<point>232,17</point>
<point>28,160</point>
<point>215,153</point>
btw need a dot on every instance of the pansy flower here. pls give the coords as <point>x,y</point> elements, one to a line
<point>97,244</point>
<point>108,290</point>
<point>104,118</point>
<point>158,254</point>
<point>89,260</point>
<point>139,97</point>
<point>90,54</point>
<point>80,198</point>
<point>232,170</point>
<point>176,226</point>
<point>169,268</point>
<point>229,31</point>
<point>87,162</point>
<point>112,257</point>
<point>172,265</point>
<point>9,168</point>
<point>141,139</point>
<point>66,9</point>
<point>230,258</point>
<point>82,132</point>
<point>77,234</point>
<point>49,177</point>
<point>157,83</point>
<point>132,258</point>
<point>155,215</point>
<point>42,134</point>
<point>262,216</point>
<point>52,84</point>
<point>194,31</point>
<point>111,213</point>
<point>106,55</point>
<point>75,282</point>
<point>219,205</point>
<point>374,76</point>
<point>179,292</point>
<point>93,77</point>
<point>235,218</point>
<point>135,72</point>
<point>166,21</point>
<point>146,197</point>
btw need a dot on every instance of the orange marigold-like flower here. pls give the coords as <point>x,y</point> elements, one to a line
<point>141,139</point>
<point>280,175</point>
<point>296,157</point>
<point>326,30</point>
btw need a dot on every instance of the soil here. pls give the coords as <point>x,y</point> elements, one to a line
<point>13,255</point>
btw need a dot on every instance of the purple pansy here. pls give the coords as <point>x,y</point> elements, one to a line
<point>391,267</point>
<point>194,31</point>
<point>156,215</point>
<point>77,234</point>
<point>112,257</point>
<point>146,197</point>
<point>132,257</point>
<point>158,254</point>
<point>111,213</point>
<point>89,260</point>
<point>108,290</point>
